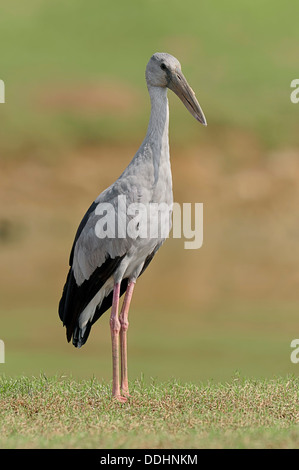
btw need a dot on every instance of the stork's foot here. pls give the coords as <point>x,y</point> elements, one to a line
<point>120,398</point>
<point>126,393</point>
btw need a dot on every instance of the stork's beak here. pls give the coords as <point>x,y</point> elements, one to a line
<point>179,85</point>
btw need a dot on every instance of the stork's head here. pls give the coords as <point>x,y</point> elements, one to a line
<point>163,70</point>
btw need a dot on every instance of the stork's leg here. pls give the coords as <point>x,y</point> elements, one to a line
<point>115,329</point>
<point>124,324</point>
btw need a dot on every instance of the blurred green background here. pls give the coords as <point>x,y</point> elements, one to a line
<point>76,111</point>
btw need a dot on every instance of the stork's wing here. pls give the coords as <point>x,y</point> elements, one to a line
<point>75,298</point>
<point>93,260</point>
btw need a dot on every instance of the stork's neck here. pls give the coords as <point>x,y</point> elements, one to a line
<point>154,150</point>
<point>157,132</point>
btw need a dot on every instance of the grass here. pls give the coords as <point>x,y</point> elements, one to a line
<point>59,412</point>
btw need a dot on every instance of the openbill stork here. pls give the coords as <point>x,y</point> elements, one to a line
<point>103,267</point>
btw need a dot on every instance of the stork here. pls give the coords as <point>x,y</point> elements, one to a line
<point>103,267</point>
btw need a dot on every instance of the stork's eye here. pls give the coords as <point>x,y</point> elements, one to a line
<point>163,66</point>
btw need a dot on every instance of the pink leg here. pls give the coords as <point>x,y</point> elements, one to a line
<point>124,324</point>
<point>115,329</point>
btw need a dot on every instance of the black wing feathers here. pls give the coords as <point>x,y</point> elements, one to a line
<point>75,298</point>
<point>80,228</point>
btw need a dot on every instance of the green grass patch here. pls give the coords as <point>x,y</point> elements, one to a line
<point>59,412</point>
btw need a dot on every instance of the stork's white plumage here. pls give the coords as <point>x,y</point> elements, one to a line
<point>103,268</point>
